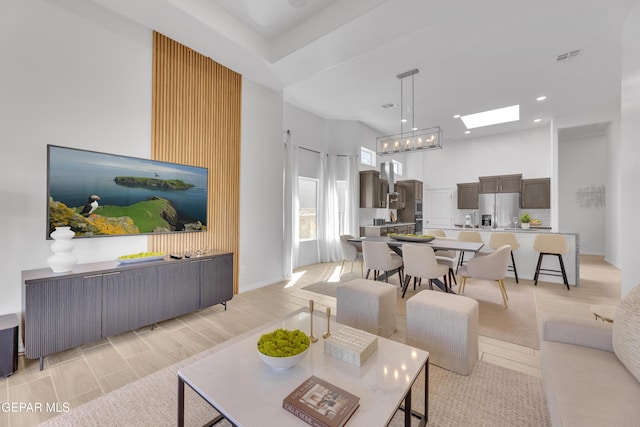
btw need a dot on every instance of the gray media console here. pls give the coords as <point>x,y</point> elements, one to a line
<point>97,300</point>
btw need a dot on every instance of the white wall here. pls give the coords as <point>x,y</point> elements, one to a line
<point>262,154</point>
<point>461,161</point>
<point>73,75</point>
<point>614,198</point>
<point>80,76</point>
<point>630,150</point>
<point>583,169</point>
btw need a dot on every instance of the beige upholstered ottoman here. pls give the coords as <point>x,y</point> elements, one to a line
<point>446,325</point>
<point>368,305</point>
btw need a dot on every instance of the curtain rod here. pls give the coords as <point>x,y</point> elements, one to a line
<point>311,150</point>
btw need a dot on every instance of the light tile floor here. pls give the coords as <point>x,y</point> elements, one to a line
<point>81,374</point>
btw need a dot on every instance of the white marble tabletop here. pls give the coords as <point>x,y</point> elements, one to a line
<point>248,392</point>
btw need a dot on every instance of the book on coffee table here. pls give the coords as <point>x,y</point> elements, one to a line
<point>321,404</point>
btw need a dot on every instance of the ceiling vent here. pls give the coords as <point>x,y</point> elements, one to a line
<point>389,105</point>
<point>568,55</point>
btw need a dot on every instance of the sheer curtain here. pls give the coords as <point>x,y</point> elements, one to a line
<point>328,211</point>
<point>291,207</point>
<point>352,207</point>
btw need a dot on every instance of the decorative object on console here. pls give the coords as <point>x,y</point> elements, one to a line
<point>62,259</point>
<point>412,140</point>
<point>321,404</point>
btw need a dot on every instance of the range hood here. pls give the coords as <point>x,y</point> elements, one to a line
<point>387,173</point>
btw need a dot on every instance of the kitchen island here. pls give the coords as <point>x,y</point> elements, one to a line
<point>527,258</point>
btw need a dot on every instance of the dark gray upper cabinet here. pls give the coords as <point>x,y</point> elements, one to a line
<point>536,193</point>
<point>500,184</point>
<point>468,195</point>
<point>369,189</point>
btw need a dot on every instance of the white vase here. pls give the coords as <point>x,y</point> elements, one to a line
<point>62,259</point>
<point>525,225</point>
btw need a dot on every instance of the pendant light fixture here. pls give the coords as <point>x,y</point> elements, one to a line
<point>411,140</point>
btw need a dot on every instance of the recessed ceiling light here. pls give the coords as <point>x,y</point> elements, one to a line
<point>404,120</point>
<point>414,128</point>
<point>537,120</point>
<point>492,117</point>
<point>457,116</point>
<point>541,98</point>
<point>467,131</point>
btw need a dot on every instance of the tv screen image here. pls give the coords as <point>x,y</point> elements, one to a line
<point>101,194</point>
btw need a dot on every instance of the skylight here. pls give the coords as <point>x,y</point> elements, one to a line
<point>492,117</point>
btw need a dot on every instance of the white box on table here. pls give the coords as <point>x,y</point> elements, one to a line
<point>351,345</point>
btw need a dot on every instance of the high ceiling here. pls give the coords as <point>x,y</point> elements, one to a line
<point>340,58</point>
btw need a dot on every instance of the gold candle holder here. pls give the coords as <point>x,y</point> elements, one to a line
<point>311,337</point>
<point>328,334</point>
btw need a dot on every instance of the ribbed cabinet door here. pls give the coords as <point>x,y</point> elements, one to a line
<point>216,280</point>
<point>142,287</point>
<point>60,314</point>
<point>178,289</point>
<point>92,308</point>
<point>115,302</point>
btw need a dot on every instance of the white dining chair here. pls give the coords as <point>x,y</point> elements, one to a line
<point>351,252</point>
<point>420,262</point>
<point>379,258</point>
<point>492,266</point>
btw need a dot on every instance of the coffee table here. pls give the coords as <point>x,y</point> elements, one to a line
<point>247,392</point>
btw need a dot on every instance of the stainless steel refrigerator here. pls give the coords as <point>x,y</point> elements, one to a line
<point>499,210</point>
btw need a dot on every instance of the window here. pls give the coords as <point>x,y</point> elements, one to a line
<point>307,215</point>
<point>367,157</point>
<point>397,167</point>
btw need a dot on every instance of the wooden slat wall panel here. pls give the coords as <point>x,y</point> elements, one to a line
<point>196,121</point>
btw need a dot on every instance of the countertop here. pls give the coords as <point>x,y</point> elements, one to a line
<point>389,224</point>
<point>543,229</point>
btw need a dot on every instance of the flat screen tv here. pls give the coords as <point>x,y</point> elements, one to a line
<point>100,194</point>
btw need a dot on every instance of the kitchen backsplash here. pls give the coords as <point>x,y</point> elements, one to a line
<point>367,215</point>
<point>543,215</point>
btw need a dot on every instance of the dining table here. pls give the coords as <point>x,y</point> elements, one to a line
<point>396,242</point>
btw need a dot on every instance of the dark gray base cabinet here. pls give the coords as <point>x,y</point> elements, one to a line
<point>94,301</point>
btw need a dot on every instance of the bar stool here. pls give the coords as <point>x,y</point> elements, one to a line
<point>501,239</point>
<point>467,236</point>
<point>551,244</point>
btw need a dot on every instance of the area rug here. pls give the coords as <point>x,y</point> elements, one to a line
<point>517,324</point>
<point>490,396</point>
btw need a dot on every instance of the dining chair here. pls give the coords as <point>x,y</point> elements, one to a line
<point>498,239</point>
<point>420,262</point>
<point>351,252</point>
<point>492,266</point>
<point>467,236</point>
<point>448,258</point>
<point>550,244</point>
<point>378,257</point>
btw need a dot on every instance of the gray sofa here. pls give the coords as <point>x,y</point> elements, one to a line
<point>591,369</point>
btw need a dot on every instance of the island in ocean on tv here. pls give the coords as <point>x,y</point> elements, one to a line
<point>99,197</point>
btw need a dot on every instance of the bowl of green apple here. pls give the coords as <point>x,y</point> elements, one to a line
<point>282,348</point>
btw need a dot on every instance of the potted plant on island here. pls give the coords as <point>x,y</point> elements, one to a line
<point>525,219</point>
